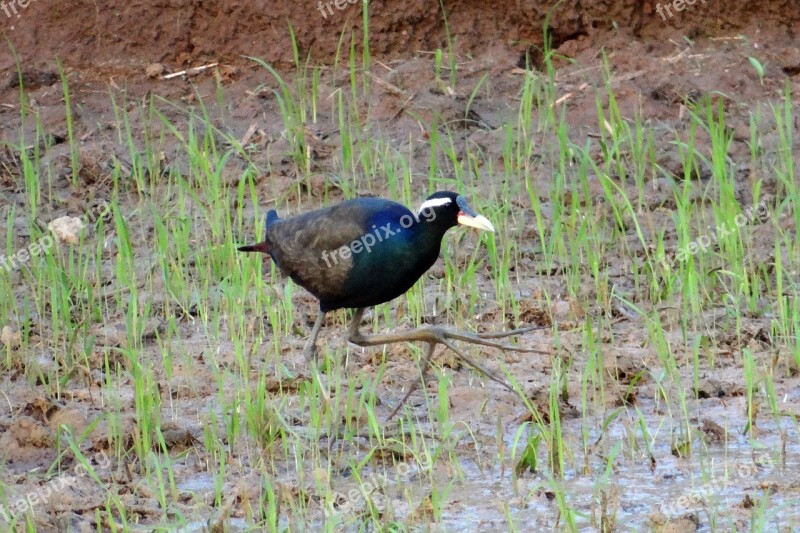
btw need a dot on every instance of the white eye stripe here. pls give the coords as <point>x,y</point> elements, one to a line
<point>434,202</point>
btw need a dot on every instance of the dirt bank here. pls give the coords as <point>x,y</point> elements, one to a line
<point>109,35</point>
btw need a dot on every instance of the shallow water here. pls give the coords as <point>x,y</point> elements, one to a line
<point>724,484</point>
<point>712,483</point>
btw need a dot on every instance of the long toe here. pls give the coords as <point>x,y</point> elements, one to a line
<point>473,338</point>
<point>510,333</point>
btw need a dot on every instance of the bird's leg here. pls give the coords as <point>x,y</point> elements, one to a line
<point>437,335</point>
<point>310,353</point>
<point>310,349</point>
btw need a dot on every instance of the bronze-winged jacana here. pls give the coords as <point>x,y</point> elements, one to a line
<point>368,251</point>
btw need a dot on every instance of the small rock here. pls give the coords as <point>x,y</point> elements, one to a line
<point>10,337</point>
<point>178,438</point>
<point>710,387</point>
<point>228,72</point>
<point>67,229</point>
<point>70,417</point>
<point>661,523</point>
<point>713,431</point>
<point>566,310</point>
<point>154,70</point>
<point>747,502</point>
<point>109,336</point>
<point>30,432</point>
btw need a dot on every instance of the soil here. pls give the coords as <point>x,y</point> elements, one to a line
<point>108,48</point>
<point>106,37</point>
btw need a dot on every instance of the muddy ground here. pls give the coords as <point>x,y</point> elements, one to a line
<point>124,50</point>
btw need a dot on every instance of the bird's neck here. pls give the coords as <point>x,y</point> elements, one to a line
<point>428,236</point>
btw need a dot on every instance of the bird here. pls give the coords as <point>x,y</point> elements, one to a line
<point>368,251</point>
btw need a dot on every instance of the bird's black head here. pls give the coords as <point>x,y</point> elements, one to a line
<point>447,209</point>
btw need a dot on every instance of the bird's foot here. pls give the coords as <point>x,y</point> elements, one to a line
<point>439,335</point>
<point>483,339</point>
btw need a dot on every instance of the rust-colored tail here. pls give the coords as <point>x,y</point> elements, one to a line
<point>262,247</point>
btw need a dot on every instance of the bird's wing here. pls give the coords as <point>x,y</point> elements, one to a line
<point>307,247</point>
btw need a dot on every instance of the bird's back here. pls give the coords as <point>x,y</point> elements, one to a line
<point>308,248</point>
